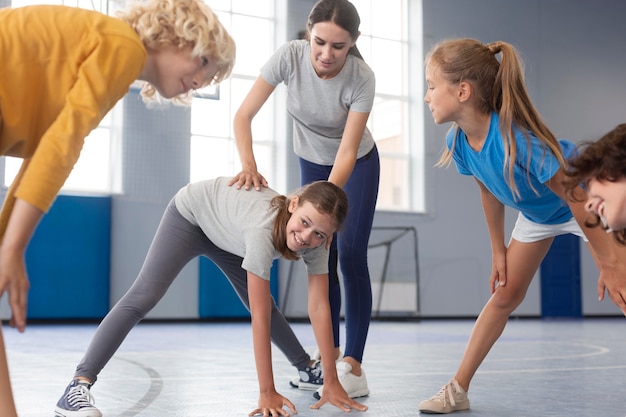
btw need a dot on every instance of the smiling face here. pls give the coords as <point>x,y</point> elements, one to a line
<point>174,71</point>
<point>307,227</point>
<point>441,96</point>
<point>607,199</point>
<point>330,45</point>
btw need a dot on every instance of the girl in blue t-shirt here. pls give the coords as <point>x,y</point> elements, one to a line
<point>499,138</point>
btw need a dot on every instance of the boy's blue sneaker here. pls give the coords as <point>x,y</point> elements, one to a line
<point>77,401</point>
<point>309,378</point>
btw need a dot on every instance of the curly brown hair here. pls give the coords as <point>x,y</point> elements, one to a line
<point>602,160</point>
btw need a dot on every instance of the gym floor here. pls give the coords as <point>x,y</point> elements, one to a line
<point>542,368</point>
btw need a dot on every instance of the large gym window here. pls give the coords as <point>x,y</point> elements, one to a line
<point>213,150</point>
<point>390,42</point>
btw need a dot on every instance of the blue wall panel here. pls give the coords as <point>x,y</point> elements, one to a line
<point>68,260</point>
<point>561,294</point>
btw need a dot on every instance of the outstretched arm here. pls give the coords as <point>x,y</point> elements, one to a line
<point>270,402</point>
<point>609,256</point>
<point>13,277</point>
<point>242,125</point>
<point>319,313</point>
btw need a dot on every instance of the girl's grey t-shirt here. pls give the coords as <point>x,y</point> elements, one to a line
<point>240,222</point>
<point>319,108</point>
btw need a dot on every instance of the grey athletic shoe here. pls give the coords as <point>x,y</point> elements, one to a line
<point>77,401</point>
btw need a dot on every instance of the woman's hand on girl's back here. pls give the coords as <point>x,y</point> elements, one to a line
<point>249,178</point>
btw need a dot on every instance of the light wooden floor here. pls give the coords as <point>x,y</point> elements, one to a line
<point>538,368</point>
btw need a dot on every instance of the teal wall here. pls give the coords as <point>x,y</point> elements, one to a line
<point>68,260</point>
<point>561,293</point>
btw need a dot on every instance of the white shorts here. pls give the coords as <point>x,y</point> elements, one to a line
<point>527,231</point>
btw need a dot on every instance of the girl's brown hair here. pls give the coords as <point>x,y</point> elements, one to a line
<point>499,86</point>
<point>326,197</point>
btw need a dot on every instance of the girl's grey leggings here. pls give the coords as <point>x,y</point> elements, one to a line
<point>175,243</point>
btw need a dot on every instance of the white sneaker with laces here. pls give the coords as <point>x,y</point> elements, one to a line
<point>354,385</point>
<point>451,397</point>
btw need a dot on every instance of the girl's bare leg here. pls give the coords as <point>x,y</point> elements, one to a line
<point>522,260</point>
<point>7,404</point>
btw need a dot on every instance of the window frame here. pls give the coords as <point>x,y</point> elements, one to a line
<point>412,119</point>
<point>264,142</point>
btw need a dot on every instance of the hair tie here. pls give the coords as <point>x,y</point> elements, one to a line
<point>495,47</point>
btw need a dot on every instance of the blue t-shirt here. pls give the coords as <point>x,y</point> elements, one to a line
<point>535,201</point>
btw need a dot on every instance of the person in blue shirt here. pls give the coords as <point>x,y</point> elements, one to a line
<point>499,138</point>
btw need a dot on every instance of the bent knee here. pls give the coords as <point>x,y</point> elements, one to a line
<point>507,299</point>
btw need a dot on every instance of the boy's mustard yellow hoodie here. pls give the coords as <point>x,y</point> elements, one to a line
<point>61,70</point>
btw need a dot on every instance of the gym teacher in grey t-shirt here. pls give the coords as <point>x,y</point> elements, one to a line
<point>330,93</point>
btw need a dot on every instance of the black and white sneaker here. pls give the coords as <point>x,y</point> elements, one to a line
<point>309,378</point>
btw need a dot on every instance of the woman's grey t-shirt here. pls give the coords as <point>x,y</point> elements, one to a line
<point>319,108</point>
<point>240,222</point>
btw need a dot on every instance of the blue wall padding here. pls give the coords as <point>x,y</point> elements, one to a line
<point>68,260</point>
<point>218,299</point>
<point>561,292</point>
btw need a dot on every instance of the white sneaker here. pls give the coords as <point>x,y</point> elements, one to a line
<point>451,397</point>
<point>355,386</point>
